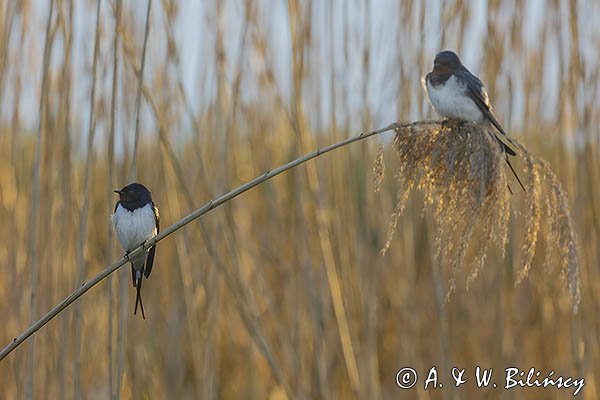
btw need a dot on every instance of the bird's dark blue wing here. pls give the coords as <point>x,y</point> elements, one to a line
<point>477,93</point>
<point>150,260</point>
<point>117,205</point>
<point>466,76</point>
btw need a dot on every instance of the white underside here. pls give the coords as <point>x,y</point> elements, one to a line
<point>134,227</point>
<point>449,100</point>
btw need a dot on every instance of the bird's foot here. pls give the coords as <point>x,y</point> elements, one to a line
<point>450,124</point>
<point>459,123</point>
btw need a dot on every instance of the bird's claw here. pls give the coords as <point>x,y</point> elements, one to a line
<point>448,124</point>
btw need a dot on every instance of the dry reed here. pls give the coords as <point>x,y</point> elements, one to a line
<point>242,303</point>
<point>462,173</point>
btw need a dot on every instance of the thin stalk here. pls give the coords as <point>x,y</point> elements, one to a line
<point>8,25</point>
<point>109,200</point>
<point>138,100</point>
<point>442,316</point>
<point>67,184</point>
<point>85,208</point>
<point>35,204</point>
<point>211,205</point>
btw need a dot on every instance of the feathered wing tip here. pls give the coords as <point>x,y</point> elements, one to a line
<point>514,173</point>
<point>138,296</point>
<point>509,152</point>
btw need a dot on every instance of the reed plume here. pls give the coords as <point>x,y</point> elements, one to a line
<point>462,173</point>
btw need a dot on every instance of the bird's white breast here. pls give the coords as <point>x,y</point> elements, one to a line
<point>450,100</point>
<point>134,227</point>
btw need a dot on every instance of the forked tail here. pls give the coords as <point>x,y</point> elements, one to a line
<point>509,152</point>
<point>514,172</point>
<point>138,296</point>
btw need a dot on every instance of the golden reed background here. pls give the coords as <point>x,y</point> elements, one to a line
<point>283,292</point>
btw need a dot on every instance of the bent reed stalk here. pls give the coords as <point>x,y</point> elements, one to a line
<point>460,170</point>
<point>211,205</point>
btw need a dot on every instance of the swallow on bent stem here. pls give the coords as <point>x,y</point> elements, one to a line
<point>136,220</point>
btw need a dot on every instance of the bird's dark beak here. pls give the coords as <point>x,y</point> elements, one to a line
<point>118,192</point>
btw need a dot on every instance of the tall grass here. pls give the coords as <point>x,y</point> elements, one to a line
<point>284,292</point>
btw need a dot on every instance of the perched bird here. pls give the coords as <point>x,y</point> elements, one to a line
<point>456,93</point>
<point>136,220</point>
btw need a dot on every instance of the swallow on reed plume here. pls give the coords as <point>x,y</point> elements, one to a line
<point>455,93</point>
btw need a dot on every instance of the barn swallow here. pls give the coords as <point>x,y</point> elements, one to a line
<point>136,220</point>
<point>455,93</point>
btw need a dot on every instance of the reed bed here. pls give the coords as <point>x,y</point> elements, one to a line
<point>284,292</point>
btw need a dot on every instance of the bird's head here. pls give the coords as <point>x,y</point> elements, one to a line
<point>446,62</point>
<point>134,193</point>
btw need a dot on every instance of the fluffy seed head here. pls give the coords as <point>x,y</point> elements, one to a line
<point>462,172</point>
